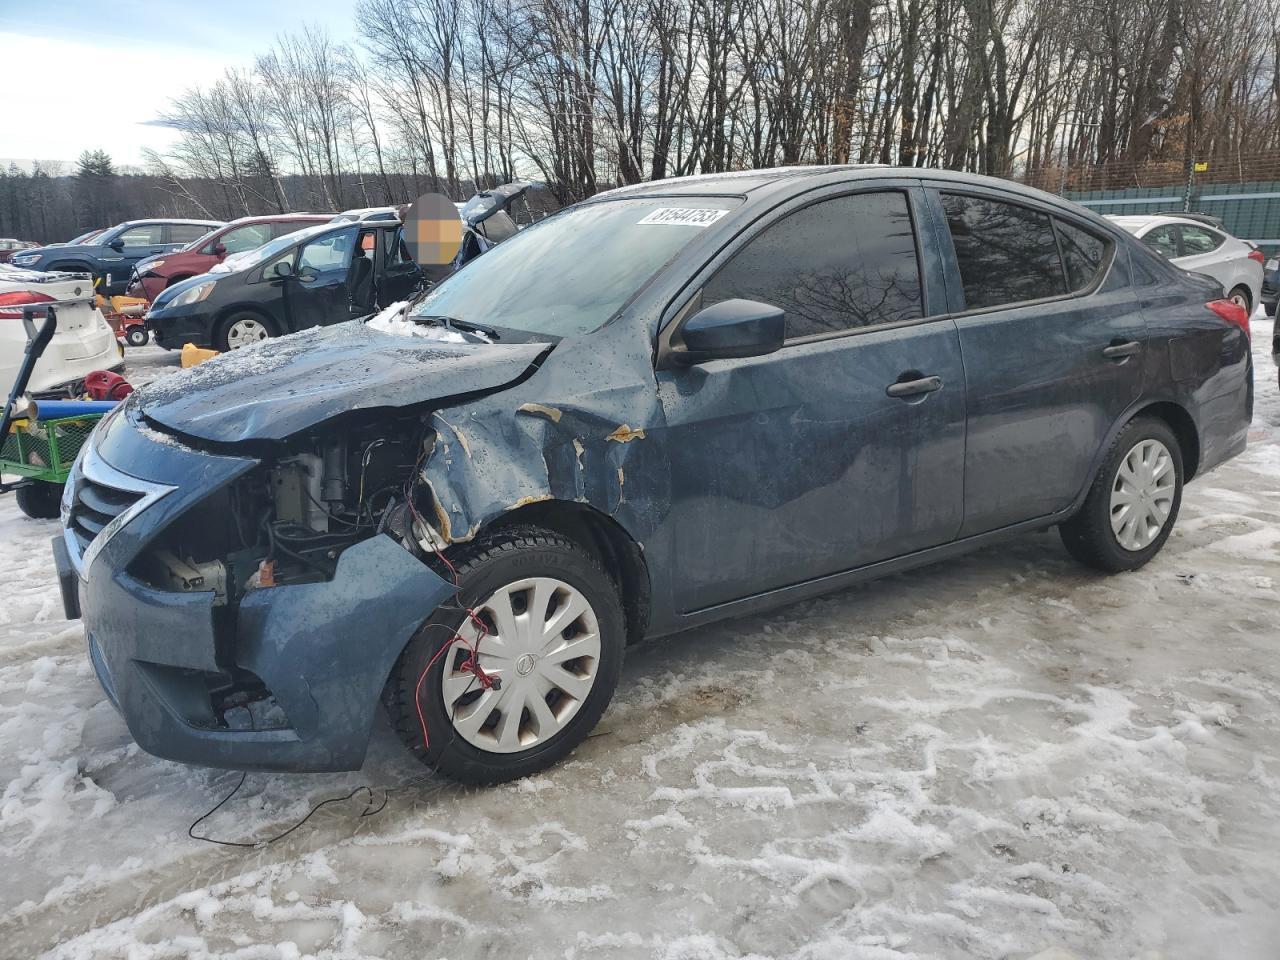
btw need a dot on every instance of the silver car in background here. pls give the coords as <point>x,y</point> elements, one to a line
<point>1199,245</point>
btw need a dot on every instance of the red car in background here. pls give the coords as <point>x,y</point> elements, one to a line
<point>9,247</point>
<point>248,233</point>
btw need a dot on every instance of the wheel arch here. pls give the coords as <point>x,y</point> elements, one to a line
<point>1184,428</point>
<point>621,555</point>
<point>72,266</point>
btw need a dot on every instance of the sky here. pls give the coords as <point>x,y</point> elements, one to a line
<point>90,75</point>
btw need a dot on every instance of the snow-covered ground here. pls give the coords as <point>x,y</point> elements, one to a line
<point>989,758</point>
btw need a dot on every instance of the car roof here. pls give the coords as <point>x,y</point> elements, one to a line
<point>1136,221</point>
<point>278,217</point>
<point>735,182</point>
<point>178,220</point>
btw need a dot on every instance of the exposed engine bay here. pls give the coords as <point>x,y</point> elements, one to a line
<point>289,520</point>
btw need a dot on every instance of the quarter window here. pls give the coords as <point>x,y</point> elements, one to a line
<point>840,264</point>
<point>1006,253</point>
<point>1082,254</point>
<point>1196,240</point>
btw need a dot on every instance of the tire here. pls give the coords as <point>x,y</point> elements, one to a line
<point>1090,536</point>
<point>137,336</point>
<point>226,337</point>
<point>1269,307</point>
<point>39,500</point>
<point>1242,296</point>
<point>474,752</point>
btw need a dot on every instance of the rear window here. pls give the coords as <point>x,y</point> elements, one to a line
<point>1006,253</point>
<point>1196,240</point>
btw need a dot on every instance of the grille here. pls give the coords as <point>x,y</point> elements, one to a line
<point>96,505</point>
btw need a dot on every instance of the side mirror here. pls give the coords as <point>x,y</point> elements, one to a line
<point>282,269</point>
<point>730,328</point>
<point>219,249</point>
<point>117,245</point>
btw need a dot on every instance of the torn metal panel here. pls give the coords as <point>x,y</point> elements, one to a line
<point>572,432</point>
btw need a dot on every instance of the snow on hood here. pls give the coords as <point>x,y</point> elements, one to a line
<point>394,320</point>
<point>285,385</point>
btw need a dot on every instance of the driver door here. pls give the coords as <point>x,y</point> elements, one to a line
<point>844,447</point>
<point>136,243</point>
<point>317,294</point>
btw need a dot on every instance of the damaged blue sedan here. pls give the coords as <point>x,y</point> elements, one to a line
<point>671,404</point>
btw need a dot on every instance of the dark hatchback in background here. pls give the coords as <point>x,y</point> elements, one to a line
<point>689,400</point>
<point>154,274</point>
<point>316,276</point>
<point>110,255</point>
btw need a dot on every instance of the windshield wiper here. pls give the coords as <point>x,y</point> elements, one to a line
<point>464,326</point>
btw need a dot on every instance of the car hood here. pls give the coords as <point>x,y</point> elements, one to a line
<point>284,386</point>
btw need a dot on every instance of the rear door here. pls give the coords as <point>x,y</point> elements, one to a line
<point>1052,338</point>
<point>820,457</point>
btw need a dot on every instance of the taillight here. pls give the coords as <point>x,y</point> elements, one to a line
<point>1257,257</point>
<point>1231,312</point>
<point>20,298</point>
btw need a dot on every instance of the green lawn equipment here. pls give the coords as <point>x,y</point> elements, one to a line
<point>36,448</point>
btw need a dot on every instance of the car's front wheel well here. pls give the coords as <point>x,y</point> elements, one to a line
<point>620,555</point>
<point>1183,427</point>
<point>178,278</point>
<point>68,266</point>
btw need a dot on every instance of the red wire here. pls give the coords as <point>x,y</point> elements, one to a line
<point>471,664</point>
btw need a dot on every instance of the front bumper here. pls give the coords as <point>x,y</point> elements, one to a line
<point>324,650</point>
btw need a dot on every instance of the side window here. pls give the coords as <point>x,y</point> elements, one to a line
<point>839,264</point>
<point>327,257</point>
<point>1083,254</point>
<point>1006,253</point>
<point>395,252</point>
<point>1197,240</point>
<point>186,232</point>
<point>1163,240</point>
<point>147,235</point>
<point>245,238</point>
<point>282,228</point>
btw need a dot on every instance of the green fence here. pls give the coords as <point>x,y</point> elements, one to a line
<point>1251,211</point>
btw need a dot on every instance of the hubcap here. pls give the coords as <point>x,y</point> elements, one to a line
<point>1142,495</point>
<point>1240,300</point>
<point>244,331</point>
<point>543,644</point>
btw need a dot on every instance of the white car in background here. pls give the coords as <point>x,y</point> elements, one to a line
<point>82,343</point>
<point>1201,246</point>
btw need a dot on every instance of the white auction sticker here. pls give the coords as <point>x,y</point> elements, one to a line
<point>683,216</point>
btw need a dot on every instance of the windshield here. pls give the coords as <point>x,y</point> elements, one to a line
<point>85,238</point>
<point>252,258</point>
<point>572,273</point>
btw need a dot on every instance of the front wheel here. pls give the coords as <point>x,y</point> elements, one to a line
<point>1133,503</point>
<point>547,630</point>
<point>240,330</point>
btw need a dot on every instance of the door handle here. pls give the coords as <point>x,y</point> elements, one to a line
<point>914,388</point>
<point>1119,351</point>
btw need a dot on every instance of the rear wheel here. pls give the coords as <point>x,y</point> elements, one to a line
<point>548,627</point>
<point>39,500</point>
<point>1133,503</point>
<point>242,329</point>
